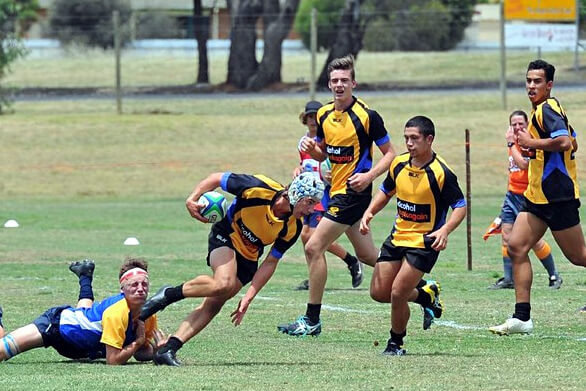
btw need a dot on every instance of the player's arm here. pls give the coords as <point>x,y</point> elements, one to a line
<point>208,184</point>
<point>316,148</point>
<point>360,181</point>
<point>261,277</point>
<point>146,351</point>
<point>379,201</point>
<point>556,144</point>
<point>118,356</point>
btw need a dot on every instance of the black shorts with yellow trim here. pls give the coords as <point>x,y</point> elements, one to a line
<point>347,208</point>
<point>220,237</point>
<point>557,215</point>
<point>421,258</point>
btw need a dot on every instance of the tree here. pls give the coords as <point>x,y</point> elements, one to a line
<point>351,28</point>
<point>201,30</point>
<point>16,16</point>
<point>277,17</point>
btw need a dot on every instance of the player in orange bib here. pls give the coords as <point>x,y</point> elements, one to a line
<point>513,204</point>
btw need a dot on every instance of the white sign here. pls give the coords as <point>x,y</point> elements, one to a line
<point>541,35</point>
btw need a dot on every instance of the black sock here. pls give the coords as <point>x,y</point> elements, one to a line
<point>312,312</point>
<point>522,311</point>
<point>173,344</point>
<point>423,298</point>
<point>350,259</point>
<point>421,283</point>
<point>174,294</point>
<point>85,288</point>
<point>398,338</point>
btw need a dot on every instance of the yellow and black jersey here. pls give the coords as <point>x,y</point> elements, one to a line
<point>349,137</point>
<point>552,175</point>
<point>424,195</point>
<point>250,222</point>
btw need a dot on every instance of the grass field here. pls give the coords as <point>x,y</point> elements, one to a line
<point>80,179</point>
<point>95,68</point>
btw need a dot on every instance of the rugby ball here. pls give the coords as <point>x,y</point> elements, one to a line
<point>214,206</point>
<point>325,169</point>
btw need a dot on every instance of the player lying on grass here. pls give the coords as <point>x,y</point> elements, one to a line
<point>109,329</point>
<point>263,213</point>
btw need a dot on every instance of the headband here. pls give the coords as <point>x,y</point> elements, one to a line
<point>137,271</point>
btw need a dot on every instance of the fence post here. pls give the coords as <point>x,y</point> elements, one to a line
<point>116,23</point>
<point>313,48</point>
<point>468,202</point>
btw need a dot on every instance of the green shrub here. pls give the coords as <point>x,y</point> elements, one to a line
<point>156,25</point>
<point>88,22</point>
<point>423,28</point>
<point>328,15</point>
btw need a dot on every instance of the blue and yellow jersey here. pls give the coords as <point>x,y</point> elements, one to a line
<point>104,323</point>
<point>424,195</point>
<point>349,137</point>
<point>552,175</point>
<point>250,221</point>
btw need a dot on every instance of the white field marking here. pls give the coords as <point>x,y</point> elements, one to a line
<point>444,323</point>
<point>342,309</point>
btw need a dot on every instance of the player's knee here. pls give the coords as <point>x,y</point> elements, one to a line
<point>516,251</point>
<point>312,251</point>
<point>398,295</point>
<point>224,287</point>
<point>377,294</point>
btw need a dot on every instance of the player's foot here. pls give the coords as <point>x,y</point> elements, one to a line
<point>394,350</point>
<point>555,282</point>
<point>356,272</point>
<point>582,310</point>
<point>301,327</point>
<point>1,313</point>
<point>501,283</point>
<point>166,358</point>
<point>436,308</point>
<point>513,326</point>
<point>85,267</point>
<point>303,286</point>
<point>155,304</point>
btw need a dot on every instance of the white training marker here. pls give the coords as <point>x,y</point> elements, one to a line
<point>11,224</point>
<point>131,241</point>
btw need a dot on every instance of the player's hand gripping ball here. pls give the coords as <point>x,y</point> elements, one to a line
<point>214,206</point>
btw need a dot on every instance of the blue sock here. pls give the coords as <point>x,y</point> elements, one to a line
<point>549,265</point>
<point>85,288</point>
<point>508,268</point>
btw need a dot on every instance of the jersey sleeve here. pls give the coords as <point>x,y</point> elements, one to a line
<point>114,325</point>
<point>451,192</point>
<point>553,122</point>
<point>287,238</point>
<point>388,186</point>
<point>237,183</point>
<point>377,130</point>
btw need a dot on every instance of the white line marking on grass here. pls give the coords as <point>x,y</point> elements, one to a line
<point>342,309</point>
<point>454,325</point>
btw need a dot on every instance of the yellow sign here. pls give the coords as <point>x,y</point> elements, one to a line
<point>550,10</point>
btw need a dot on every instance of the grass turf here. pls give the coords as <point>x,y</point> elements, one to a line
<point>80,179</point>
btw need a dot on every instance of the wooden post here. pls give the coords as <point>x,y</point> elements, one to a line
<point>503,82</point>
<point>313,47</point>
<point>468,202</point>
<point>117,44</point>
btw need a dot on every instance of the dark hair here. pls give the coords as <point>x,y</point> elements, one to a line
<point>344,63</point>
<point>547,68</point>
<point>424,124</point>
<point>519,113</point>
<point>131,263</point>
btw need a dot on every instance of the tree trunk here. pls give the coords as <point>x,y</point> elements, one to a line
<point>201,30</point>
<point>276,30</point>
<point>348,39</point>
<point>242,62</point>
